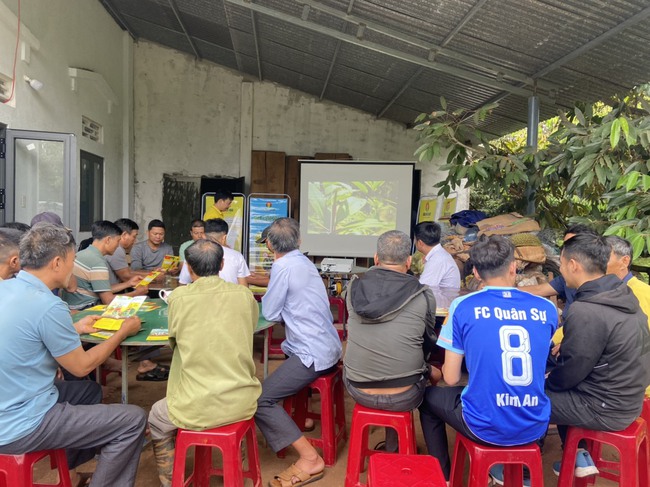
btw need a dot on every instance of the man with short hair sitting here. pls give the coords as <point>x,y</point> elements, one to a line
<point>503,334</point>
<point>602,368</point>
<point>391,315</point>
<point>212,378</point>
<point>118,265</point>
<point>440,269</point>
<point>91,270</point>
<point>37,412</point>
<point>197,232</point>
<point>620,264</point>
<point>234,268</point>
<point>9,258</point>
<point>150,254</point>
<point>296,296</point>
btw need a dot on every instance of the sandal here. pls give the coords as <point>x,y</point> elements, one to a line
<point>157,374</point>
<point>287,477</point>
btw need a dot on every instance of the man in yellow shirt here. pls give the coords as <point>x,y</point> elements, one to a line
<point>212,377</point>
<point>222,201</point>
<point>620,263</point>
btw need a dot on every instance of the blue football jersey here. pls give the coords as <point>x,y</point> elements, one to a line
<point>505,335</point>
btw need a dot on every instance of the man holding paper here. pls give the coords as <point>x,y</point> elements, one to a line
<point>38,336</point>
<point>149,255</point>
<point>91,270</point>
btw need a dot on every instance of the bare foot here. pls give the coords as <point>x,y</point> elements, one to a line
<point>112,364</point>
<point>107,391</point>
<point>311,465</point>
<point>145,366</point>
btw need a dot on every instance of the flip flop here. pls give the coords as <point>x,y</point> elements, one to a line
<point>158,374</point>
<point>285,479</point>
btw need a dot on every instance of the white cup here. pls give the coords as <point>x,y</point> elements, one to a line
<point>164,294</point>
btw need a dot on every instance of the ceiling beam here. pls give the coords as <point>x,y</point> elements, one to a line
<point>336,53</point>
<point>116,15</point>
<point>410,81</point>
<point>174,8</point>
<point>432,64</point>
<point>232,40</point>
<point>438,50</point>
<point>257,45</point>
<point>468,16</point>
<point>596,41</point>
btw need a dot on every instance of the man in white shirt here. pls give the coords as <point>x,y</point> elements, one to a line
<point>440,270</point>
<point>234,269</point>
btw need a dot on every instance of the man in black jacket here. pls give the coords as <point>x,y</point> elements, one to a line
<point>391,318</point>
<point>602,368</point>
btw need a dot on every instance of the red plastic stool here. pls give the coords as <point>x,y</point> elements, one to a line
<point>341,316</point>
<point>274,346</point>
<point>482,458</point>
<point>632,444</point>
<point>645,413</point>
<point>362,419</point>
<point>228,439</point>
<point>331,416</point>
<point>394,470</point>
<point>18,470</point>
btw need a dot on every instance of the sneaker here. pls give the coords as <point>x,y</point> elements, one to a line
<point>585,465</point>
<point>496,472</point>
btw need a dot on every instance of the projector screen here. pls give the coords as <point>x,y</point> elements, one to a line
<point>346,205</point>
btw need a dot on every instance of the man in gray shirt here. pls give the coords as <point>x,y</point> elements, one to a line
<point>149,254</point>
<point>118,265</point>
<point>391,321</point>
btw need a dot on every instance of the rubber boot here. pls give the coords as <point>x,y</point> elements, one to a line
<point>163,452</point>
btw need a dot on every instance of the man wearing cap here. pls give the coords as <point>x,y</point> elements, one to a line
<point>296,296</point>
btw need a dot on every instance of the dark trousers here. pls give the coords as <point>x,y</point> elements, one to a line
<point>78,423</point>
<point>442,406</point>
<point>275,424</point>
<point>571,408</point>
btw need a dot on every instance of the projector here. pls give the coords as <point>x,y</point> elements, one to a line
<point>336,265</point>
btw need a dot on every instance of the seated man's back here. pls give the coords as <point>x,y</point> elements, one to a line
<point>212,379</point>
<point>504,336</point>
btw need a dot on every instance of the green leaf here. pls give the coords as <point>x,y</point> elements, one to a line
<point>580,116</point>
<point>443,103</point>
<point>638,243</point>
<point>420,117</point>
<point>615,133</point>
<point>632,179</point>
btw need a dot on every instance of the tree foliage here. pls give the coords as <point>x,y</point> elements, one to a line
<point>592,166</point>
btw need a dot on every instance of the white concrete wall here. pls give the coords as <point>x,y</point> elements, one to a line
<point>198,118</point>
<point>81,34</point>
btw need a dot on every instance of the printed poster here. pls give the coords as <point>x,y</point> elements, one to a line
<point>263,211</point>
<point>234,216</point>
<point>427,209</point>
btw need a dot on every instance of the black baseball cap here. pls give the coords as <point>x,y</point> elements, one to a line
<point>262,237</point>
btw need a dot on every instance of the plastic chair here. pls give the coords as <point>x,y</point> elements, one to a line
<point>331,416</point>
<point>228,439</point>
<point>18,470</point>
<point>632,470</point>
<point>394,470</point>
<point>482,458</point>
<point>358,451</point>
<point>341,316</point>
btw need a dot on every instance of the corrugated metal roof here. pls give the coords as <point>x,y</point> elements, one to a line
<point>395,58</point>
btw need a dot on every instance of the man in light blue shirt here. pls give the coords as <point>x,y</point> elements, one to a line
<point>38,336</point>
<point>296,296</point>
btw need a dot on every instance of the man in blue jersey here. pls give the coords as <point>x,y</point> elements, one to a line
<point>503,334</point>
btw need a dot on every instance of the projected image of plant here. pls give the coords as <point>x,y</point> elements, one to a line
<point>352,208</point>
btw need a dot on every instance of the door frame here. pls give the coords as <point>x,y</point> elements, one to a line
<point>70,186</point>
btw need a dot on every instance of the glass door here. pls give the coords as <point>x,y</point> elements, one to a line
<point>40,176</point>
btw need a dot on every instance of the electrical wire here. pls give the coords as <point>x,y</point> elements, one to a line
<point>13,76</point>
